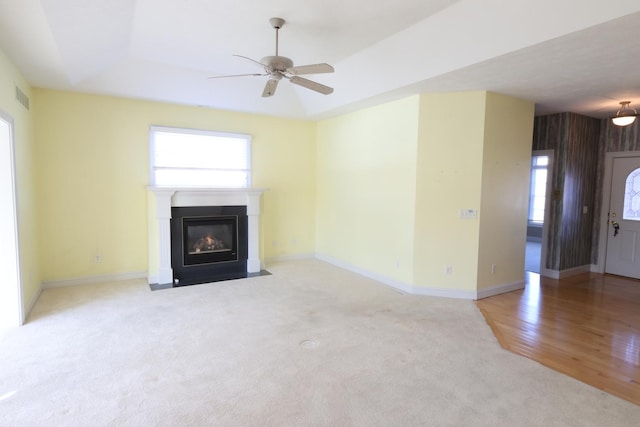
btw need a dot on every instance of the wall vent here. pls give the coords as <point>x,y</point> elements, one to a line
<point>22,98</point>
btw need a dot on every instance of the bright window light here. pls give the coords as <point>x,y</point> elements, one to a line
<point>198,158</point>
<point>538,189</point>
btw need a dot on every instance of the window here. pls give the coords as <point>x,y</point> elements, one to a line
<point>631,210</point>
<point>199,158</point>
<point>538,188</point>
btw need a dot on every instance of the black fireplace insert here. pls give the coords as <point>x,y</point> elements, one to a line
<point>208,243</point>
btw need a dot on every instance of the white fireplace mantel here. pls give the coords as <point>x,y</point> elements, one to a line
<point>168,197</point>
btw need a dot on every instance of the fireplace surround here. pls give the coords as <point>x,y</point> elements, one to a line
<point>168,198</point>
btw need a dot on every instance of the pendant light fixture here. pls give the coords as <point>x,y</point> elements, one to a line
<point>625,115</point>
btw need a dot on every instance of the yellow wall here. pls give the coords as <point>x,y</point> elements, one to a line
<point>449,179</point>
<point>379,189</point>
<point>393,179</point>
<point>365,188</point>
<point>505,189</point>
<point>93,169</point>
<point>27,203</point>
<point>474,153</point>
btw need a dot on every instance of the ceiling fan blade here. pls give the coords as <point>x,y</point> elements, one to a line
<point>311,69</point>
<point>320,88</point>
<point>252,60</point>
<point>236,75</point>
<point>270,88</point>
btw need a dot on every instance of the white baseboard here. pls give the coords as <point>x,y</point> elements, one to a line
<point>395,284</point>
<point>293,257</point>
<point>553,274</point>
<point>94,279</point>
<point>575,271</point>
<point>445,293</point>
<point>562,274</point>
<point>500,289</point>
<point>30,304</point>
<point>401,286</point>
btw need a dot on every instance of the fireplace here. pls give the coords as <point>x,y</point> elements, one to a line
<point>208,243</point>
<point>165,199</point>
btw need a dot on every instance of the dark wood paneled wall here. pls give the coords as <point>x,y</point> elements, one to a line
<point>579,191</point>
<point>550,133</point>
<point>574,139</point>
<point>616,138</point>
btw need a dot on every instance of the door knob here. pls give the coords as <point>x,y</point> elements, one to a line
<point>616,228</point>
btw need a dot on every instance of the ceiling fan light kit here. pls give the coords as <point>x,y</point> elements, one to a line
<point>278,67</point>
<point>625,115</point>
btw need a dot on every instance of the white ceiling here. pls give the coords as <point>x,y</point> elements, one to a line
<point>565,55</point>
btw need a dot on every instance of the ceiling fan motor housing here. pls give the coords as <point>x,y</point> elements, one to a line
<point>277,63</point>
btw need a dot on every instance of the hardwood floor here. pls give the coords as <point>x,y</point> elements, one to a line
<point>586,326</point>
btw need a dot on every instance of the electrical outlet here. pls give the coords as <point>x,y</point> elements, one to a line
<point>448,270</point>
<point>493,268</point>
<point>97,258</point>
<point>468,214</point>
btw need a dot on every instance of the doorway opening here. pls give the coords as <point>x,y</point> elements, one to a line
<point>10,297</point>
<point>537,215</point>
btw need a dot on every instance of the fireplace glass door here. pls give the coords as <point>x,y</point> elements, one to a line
<point>208,240</point>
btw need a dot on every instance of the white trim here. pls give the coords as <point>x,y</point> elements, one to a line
<point>606,200</point>
<point>398,285</point>
<point>395,284</point>
<point>293,257</point>
<point>92,280</point>
<point>575,271</point>
<point>444,293</point>
<point>547,204</point>
<point>563,274</point>
<point>552,274</point>
<point>32,303</point>
<point>21,312</point>
<point>500,289</point>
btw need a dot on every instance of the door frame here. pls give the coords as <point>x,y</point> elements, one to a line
<point>19,320</point>
<point>606,201</point>
<point>547,207</point>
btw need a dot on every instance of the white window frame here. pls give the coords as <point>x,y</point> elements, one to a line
<point>535,167</point>
<point>188,131</point>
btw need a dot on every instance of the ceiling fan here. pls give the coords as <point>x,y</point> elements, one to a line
<point>278,67</point>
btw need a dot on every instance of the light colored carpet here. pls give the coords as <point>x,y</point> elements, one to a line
<point>229,354</point>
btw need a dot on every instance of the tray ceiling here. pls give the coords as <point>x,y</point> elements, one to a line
<point>575,55</point>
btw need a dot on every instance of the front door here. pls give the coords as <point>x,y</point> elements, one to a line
<point>623,233</point>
